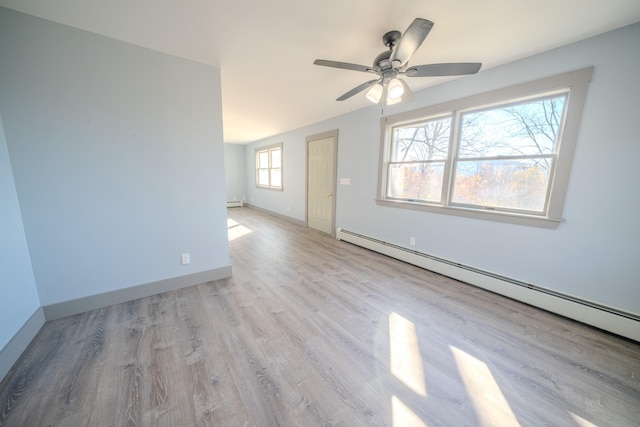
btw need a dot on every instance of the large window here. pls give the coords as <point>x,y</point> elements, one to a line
<point>503,155</point>
<point>269,167</point>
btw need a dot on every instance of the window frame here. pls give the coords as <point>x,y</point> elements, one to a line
<point>269,149</point>
<point>575,82</point>
<point>390,162</point>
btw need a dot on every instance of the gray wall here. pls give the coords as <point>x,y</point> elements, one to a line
<point>19,295</point>
<point>234,166</point>
<point>117,158</point>
<point>594,254</point>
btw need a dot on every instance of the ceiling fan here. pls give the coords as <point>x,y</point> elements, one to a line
<point>395,62</point>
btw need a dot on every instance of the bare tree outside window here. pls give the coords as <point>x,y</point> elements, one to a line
<point>503,155</point>
<point>418,156</point>
<point>506,155</point>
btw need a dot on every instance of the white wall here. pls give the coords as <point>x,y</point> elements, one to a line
<point>19,296</point>
<point>593,255</point>
<point>117,157</point>
<point>234,167</point>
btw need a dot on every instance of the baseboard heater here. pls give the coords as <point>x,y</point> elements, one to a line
<point>235,204</point>
<point>601,316</point>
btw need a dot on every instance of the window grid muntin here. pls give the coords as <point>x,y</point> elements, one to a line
<point>390,131</point>
<point>265,172</point>
<point>448,185</point>
<point>521,102</point>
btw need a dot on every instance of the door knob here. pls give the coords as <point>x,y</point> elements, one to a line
<point>330,195</point>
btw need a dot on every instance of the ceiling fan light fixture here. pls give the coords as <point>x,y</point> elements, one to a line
<point>396,89</point>
<point>375,93</point>
<point>405,98</point>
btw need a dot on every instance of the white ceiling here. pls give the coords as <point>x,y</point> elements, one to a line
<point>265,48</point>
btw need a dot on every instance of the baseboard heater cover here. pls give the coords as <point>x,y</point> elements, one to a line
<point>601,316</point>
<point>235,204</point>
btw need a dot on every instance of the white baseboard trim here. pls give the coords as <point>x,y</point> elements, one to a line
<point>92,302</point>
<point>278,215</point>
<point>592,313</point>
<point>11,352</point>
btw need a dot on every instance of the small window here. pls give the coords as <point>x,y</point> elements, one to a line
<point>417,161</point>
<point>269,167</point>
<point>503,155</point>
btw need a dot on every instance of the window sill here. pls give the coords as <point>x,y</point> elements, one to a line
<point>507,217</point>
<point>263,187</point>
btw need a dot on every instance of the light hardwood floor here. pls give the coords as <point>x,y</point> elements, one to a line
<point>310,331</point>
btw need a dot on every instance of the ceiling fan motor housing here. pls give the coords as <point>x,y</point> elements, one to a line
<point>382,61</point>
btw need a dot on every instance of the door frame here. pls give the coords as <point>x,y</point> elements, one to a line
<point>328,134</point>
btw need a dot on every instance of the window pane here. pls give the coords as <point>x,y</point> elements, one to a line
<point>276,156</point>
<point>263,176</point>
<point>263,161</point>
<point>524,129</point>
<point>276,178</point>
<point>511,184</point>
<point>424,141</point>
<point>416,181</point>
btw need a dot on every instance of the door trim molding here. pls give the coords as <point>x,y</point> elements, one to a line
<point>328,134</point>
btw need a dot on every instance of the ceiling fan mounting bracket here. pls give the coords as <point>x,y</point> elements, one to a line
<point>390,38</point>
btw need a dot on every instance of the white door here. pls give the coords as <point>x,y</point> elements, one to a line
<point>321,183</point>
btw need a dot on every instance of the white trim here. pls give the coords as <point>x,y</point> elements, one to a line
<point>269,149</point>
<point>601,316</point>
<point>11,352</point>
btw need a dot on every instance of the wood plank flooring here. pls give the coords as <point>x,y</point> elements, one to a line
<point>310,331</point>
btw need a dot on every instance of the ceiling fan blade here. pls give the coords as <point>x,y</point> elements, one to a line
<point>358,89</point>
<point>410,42</point>
<point>345,66</point>
<point>434,70</point>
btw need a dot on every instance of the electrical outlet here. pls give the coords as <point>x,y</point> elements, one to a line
<point>288,208</point>
<point>412,241</point>
<point>185,259</point>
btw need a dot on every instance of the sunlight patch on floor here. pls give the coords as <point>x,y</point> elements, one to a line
<point>403,416</point>
<point>235,229</point>
<point>581,421</point>
<point>404,354</point>
<point>488,400</point>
